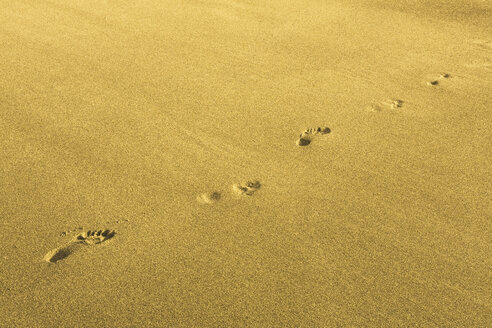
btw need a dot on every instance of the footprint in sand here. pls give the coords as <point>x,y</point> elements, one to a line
<point>307,136</point>
<point>388,104</point>
<point>436,81</point>
<point>91,237</point>
<point>209,197</point>
<point>246,188</point>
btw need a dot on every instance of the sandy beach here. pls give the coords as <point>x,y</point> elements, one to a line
<point>244,163</point>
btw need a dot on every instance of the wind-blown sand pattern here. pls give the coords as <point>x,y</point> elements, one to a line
<point>146,116</point>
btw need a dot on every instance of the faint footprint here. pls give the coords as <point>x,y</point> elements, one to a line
<point>435,81</point>
<point>307,136</point>
<point>209,197</point>
<point>386,105</point>
<point>246,188</point>
<point>81,240</point>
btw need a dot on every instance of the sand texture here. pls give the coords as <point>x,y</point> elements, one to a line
<point>245,163</point>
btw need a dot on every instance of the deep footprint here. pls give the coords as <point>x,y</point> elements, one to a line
<point>91,237</point>
<point>307,136</point>
<point>246,188</point>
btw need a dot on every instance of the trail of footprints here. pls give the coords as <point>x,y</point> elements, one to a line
<point>395,104</point>
<point>246,188</point>
<point>249,188</point>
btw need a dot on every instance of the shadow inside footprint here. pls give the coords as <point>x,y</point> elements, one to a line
<point>59,254</point>
<point>303,141</point>
<point>91,237</point>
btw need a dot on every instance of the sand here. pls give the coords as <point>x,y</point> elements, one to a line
<point>177,127</point>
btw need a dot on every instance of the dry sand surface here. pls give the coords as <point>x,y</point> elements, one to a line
<point>245,163</point>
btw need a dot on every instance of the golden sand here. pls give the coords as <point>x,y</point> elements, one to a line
<point>193,133</point>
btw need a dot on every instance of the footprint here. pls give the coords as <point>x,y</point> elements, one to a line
<point>394,104</point>
<point>209,197</point>
<point>436,81</point>
<point>246,188</point>
<point>307,136</point>
<point>386,105</point>
<point>91,237</point>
